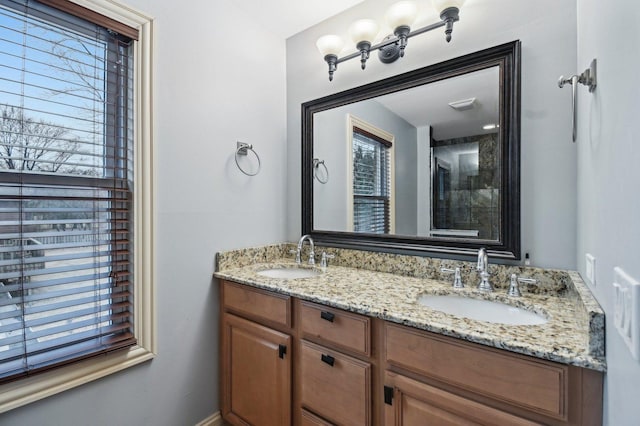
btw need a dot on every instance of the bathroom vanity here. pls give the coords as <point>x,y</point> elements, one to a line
<point>351,346</point>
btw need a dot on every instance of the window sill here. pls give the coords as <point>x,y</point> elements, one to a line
<point>25,391</point>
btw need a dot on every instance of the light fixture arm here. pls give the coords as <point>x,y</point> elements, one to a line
<point>332,61</point>
<point>364,47</point>
<point>449,16</point>
<point>402,34</point>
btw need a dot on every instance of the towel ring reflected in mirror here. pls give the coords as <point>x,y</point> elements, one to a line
<point>243,150</point>
<point>321,175</point>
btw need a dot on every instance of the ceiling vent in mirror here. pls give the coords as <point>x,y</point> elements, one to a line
<point>463,105</point>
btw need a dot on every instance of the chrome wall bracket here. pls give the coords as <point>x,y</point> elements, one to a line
<point>588,76</point>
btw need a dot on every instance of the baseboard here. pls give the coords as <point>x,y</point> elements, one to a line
<point>213,420</point>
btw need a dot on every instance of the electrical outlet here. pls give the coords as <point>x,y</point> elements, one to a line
<point>626,313</point>
<point>590,268</point>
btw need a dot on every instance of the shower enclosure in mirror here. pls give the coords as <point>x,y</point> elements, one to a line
<point>427,161</point>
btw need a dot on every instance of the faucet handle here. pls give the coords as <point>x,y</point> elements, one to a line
<point>514,288</point>
<point>325,258</point>
<point>457,279</point>
<point>297,253</point>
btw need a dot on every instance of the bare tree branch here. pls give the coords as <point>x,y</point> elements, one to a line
<point>27,144</point>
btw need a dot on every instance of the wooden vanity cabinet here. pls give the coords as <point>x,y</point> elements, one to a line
<point>288,361</point>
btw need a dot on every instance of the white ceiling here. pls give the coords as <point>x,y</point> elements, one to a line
<point>288,17</point>
<point>429,104</point>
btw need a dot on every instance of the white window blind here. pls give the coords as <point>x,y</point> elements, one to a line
<point>66,188</point>
<point>371,182</point>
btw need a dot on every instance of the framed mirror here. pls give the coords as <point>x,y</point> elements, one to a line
<point>423,162</point>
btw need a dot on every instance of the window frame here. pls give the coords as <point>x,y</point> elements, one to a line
<point>32,388</point>
<point>352,123</point>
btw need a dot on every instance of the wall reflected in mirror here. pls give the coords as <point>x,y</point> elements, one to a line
<point>420,162</point>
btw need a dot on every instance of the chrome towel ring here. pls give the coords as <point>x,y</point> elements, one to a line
<point>243,150</point>
<point>316,164</point>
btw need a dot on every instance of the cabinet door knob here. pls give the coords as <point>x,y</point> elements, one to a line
<point>388,395</point>
<point>328,359</point>
<point>328,316</point>
<point>282,349</point>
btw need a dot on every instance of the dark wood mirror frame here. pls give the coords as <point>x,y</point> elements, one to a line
<point>507,57</point>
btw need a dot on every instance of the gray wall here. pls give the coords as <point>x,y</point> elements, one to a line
<point>203,104</point>
<point>609,177</point>
<point>548,35</point>
<point>330,145</point>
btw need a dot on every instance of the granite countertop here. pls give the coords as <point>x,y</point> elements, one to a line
<point>574,333</point>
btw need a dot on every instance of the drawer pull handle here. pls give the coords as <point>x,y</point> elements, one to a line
<point>328,316</point>
<point>328,359</point>
<point>282,349</point>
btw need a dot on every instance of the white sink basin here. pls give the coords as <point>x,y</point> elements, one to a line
<point>481,310</point>
<point>289,273</point>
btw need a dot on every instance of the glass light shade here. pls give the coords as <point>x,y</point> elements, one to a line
<point>401,14</point>
<point>364,30</point>
<point>440,5</point>
<point>330,45</point>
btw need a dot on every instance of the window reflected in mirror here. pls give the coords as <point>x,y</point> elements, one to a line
<point>372,176</point>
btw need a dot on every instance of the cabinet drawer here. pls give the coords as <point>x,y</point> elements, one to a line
<point>335,386</point>
<point>533,384</point>
<point>344,329</point>
<point>256,303</point>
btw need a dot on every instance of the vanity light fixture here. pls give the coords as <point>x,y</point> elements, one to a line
<point>400,16</point>
<point>489,126</point>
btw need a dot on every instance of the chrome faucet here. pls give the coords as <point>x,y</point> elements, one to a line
<point>312,254</point>
<point>483,269</point>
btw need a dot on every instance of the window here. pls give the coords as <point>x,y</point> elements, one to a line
<point>75,211</point>
<point>372,159</point>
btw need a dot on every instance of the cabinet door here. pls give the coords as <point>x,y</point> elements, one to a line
<point>256,373</point>
<point>412,403</point>
<point>309,419</point>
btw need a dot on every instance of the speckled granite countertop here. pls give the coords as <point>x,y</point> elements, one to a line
<point>574,333</point>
